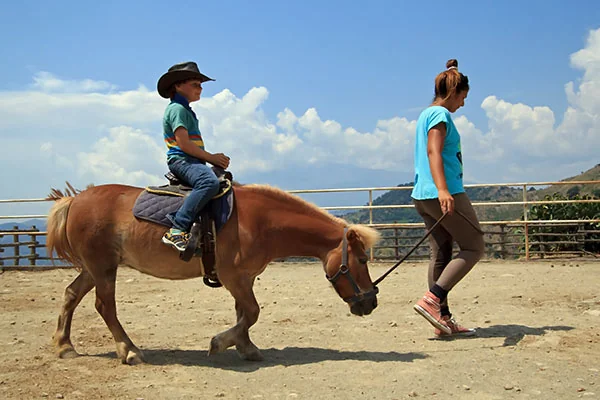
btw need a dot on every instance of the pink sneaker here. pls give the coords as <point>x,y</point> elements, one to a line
<point>456,329</point>
<point>429,307</point>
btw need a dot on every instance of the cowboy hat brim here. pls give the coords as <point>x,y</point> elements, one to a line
<point>168,79</point>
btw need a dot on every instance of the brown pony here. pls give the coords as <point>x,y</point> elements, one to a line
<point>96,231</point>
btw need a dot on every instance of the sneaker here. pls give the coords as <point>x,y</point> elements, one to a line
<point>429,307</point>
<point>177,239</point>
<point>457,330</point>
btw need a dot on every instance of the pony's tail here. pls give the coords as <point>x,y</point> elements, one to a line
<point>56,240</point>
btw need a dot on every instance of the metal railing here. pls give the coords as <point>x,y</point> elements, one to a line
<point>525,223</point>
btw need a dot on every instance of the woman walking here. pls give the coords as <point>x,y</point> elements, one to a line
<point>439,190</point>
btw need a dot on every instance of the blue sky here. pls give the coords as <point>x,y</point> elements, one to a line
<point>308,94</point>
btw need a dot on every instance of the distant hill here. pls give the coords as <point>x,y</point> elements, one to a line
<point>479,194</point>
<point>400,197</point>
<point>40,224</point>
<point>592,174</point>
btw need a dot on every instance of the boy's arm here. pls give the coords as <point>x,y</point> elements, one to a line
<point>188,147</point>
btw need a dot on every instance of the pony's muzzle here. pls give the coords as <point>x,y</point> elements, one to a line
<point>365,303</point>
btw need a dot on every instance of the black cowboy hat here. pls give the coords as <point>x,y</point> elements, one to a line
<point>178,73</point>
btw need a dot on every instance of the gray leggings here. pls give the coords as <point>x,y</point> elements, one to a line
<point>461,227</point>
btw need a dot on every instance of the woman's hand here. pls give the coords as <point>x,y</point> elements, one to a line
<point>219,160</point>
<point>446,201</point>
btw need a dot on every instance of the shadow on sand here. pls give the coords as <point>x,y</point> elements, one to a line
<point>288,356</point>
<point>512,334</point>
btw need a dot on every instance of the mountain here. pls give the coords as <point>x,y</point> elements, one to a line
<point>478,194</point>
<point>400,197</point>
<point>39,224</point>
<point>592,174</point>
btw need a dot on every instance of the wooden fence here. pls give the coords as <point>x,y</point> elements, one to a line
<point>504,241</point>
<point>509,239</point>
<point>25,249</point>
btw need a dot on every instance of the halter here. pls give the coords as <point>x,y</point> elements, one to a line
<point>344,271</point>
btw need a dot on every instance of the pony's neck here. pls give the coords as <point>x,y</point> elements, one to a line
<point>303,235</point>
<point>293,227</point>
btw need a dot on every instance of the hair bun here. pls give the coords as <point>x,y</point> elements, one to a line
<point>452,63</point>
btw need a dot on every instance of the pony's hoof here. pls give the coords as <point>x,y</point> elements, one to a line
<point>67,352</point>
<point>215,346</point>
<point>134,358</point>
<point>255,355</point>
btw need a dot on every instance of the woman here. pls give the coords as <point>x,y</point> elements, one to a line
<point>439,189</point>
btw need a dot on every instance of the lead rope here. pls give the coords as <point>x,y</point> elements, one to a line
<point>389,271</point>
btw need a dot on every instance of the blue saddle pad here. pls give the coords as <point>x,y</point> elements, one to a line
<point>154,207</point>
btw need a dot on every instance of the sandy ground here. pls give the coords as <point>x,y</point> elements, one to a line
<point>538,337</point>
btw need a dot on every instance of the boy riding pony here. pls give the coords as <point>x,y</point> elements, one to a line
<point>186,156</point>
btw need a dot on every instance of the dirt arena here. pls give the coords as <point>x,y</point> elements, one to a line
<point>538,337</point>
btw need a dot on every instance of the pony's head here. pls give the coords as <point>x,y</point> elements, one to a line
<point>346,269</point>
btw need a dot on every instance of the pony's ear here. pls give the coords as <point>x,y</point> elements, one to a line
<point>357,247</point>
<point>352,236</point>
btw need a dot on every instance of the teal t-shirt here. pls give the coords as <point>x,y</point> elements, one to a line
<point>177,116</point>
<point>451,155</point>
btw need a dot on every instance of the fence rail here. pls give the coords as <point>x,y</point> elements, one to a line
<point>502,238</point>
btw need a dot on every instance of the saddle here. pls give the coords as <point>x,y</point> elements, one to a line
<point>155,203</point>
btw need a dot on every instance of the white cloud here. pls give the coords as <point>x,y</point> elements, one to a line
<point>101,134</point>
<point>127,156</point>
<point>48,82</point>
<point>529,136</point>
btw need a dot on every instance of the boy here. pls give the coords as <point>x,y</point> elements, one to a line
<point>186,157</point>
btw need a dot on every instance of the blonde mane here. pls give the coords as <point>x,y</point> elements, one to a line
<point>369,236</point>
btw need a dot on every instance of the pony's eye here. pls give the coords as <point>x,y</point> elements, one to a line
<point>363,260</point>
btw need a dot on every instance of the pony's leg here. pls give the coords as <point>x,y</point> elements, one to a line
<point>73,295</point>
<point>105,304</point>
<point>247,311</point>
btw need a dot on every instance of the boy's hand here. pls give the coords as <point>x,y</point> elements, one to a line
<point>219,160</point>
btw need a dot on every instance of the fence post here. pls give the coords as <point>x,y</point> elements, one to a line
<point>371,252</point>
<point>17,251</point>
<point>502,244</point>
<point>397,243</point>
<point>1,251</point>
<point>525,219</point>
<point>33,246</point>
<point>580,239</point>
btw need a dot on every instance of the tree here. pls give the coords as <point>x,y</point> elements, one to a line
<point>584,236</point>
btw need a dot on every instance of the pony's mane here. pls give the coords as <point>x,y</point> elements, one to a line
<point>369,236</point>
<point>276,192</point>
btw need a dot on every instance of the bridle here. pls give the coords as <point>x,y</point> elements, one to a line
<point>344,271</point>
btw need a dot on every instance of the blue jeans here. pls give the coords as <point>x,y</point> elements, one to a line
<point>205,186</point>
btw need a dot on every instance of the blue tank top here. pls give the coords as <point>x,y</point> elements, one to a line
<point>451,155</point>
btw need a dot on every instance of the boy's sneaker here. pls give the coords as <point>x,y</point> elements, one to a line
<point>457,330</point>
<point>176,238</point>
<point>429,307</point>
